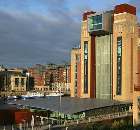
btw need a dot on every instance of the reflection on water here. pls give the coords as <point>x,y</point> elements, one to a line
<point>4,105</point>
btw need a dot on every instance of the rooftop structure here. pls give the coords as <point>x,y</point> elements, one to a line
<point>69,105</point>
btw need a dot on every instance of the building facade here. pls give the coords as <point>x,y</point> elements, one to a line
<point>50,77</point>
<point>136,93</point>
<point>18,83</point>
<point>109,55</point>
<point>2,68</point>
<point>12,81</point>
<point>76,71</point>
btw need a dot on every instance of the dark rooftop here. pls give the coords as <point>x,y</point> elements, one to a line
<point>68,105</point>
<point>12,73</point>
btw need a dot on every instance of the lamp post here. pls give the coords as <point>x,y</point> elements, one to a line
<point>114,106</point>
<point>60,107</point>
<point>24,123</point>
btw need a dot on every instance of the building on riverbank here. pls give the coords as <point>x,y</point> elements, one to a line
<point>50,77</point>
<point>12,81</point>
<point>106,63</point>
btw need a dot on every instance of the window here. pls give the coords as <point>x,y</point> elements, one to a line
<point>119,66</point>
<point>75,75</point>
<point>22,82</point>
<point>16,82</point>
<point>85,66</point>
<point>95,22</point>
<point>86,48</point>
<point>86,56</point>
<point>78,58</point>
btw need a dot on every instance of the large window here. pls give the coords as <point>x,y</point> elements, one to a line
<point>119,66</point>
<point>103,67</point>
<point>85,66</point>
<point>22,82</point>
<point>95,22</point>
<point>75,75</point>
<point>16,82</point>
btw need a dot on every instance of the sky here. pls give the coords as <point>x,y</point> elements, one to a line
<point>40,31</point>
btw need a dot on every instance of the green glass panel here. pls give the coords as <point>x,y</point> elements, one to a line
<point>75,57</point>
<point>100,26</point>
<point>101,69</point>
<point>103,65</point>
<point>108,50</point>
<point>98,79</point>
<point>86,48</point>
<point>107,68</point>
<point>103,79</point>
<point>98,49</point>
<point>99,17</point>
<point>86,56</point>
<point>98,90</point>
<point>103,59</point>
<point>102,49</point>
<point>108,89</point>
<point>108,58</point>
<point>95,22</point>
<point>98,59</point>
<point>98,69</point>
<point>98,41</point>
<point>107,79</point>
<point>108,96</point>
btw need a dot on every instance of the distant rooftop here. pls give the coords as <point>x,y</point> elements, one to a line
<point>12,73</point>
<point>110,11</point>
<point>69,105</point>
<point>77,46</point>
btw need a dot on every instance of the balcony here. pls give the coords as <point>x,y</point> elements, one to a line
<point>136,87</point>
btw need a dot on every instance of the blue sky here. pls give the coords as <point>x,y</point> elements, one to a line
<point>40,31</point>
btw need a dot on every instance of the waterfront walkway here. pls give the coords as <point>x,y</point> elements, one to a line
<point>74,124</point>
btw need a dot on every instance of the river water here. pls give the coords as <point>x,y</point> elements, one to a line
<point>3,105</point>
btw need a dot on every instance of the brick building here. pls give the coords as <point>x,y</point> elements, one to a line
<point>108,55</point>
<point>50,77</point>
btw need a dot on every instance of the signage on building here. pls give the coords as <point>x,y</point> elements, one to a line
<point>119,64</point>
<point>85,66</point>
